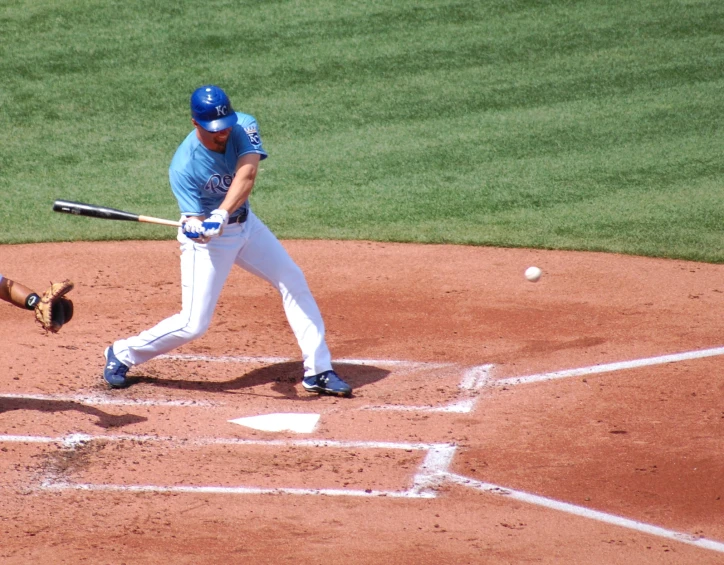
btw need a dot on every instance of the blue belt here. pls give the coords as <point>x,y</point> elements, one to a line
<point>240,218</point>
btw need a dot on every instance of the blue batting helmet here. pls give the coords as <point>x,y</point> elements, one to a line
<point>211,108</point>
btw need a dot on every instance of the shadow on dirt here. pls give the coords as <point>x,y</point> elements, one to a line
<point>285,379</point>
<point>105,420</point>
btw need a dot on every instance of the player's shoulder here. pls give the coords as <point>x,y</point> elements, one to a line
<point>245,120</point>
<point>247,124</point>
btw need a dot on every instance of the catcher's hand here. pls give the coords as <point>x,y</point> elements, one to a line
<point>54,310</point>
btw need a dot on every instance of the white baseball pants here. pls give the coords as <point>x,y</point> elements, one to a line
<point>204,270</point>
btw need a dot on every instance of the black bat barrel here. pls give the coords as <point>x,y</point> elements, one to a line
<point>82,209</point>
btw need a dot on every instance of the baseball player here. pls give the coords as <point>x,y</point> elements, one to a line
<point>52,309</point>
<point>212,175</point>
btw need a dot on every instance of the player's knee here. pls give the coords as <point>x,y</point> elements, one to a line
<point>195,329</point>
<point>294,282</point>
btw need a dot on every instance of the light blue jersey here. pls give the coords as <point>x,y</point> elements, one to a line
<point>200,178</point>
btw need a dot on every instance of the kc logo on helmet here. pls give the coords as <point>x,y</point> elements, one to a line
<point>222,110</point>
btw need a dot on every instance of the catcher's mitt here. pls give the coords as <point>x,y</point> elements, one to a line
<point>53,310</point>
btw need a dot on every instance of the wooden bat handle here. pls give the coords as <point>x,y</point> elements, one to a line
<point>161,221</point>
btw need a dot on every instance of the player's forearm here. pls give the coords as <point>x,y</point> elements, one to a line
<point>15,293</point>
<point>238,193</point>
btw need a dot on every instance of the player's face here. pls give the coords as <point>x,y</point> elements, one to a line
<point>214,140</point>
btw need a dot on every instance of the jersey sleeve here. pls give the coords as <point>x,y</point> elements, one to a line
<point>186,193</point>
<point>247,138</point>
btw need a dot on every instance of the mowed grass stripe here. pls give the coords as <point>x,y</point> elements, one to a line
<point>556,124</point>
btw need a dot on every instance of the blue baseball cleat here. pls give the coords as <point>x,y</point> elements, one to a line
<point>114,372</point>
<point>327,382</point>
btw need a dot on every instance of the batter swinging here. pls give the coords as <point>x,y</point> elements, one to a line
<point>212,175</point>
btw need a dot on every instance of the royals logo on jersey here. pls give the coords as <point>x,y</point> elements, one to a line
<point>253,134</point>
<point>218,184</point>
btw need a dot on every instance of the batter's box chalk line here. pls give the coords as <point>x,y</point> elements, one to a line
<point>108,400</point>
<point>432,473</point>
<point>425,482</point>
<point>429,477</point>
<point>472,378</point>
<point>475,378</point>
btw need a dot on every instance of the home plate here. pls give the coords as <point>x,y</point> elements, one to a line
<point>299,423</point>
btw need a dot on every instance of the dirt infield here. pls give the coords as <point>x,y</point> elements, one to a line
<point>578,419</point>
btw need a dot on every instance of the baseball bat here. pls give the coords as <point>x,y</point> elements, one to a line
<point>93,211</point>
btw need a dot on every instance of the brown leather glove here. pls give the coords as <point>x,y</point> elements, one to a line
<point>53,310</point>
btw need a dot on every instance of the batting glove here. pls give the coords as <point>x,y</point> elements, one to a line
<point>194,229</point>
<point>214,224</point>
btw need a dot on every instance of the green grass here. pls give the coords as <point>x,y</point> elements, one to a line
<point>541,123</point>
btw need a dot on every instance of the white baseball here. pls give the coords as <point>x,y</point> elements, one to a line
<point>533,274</point>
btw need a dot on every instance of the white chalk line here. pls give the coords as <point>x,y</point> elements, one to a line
<point>474,378</point>
<point>424,482</point>
<point>275,360</point>
<point>72,440</point>
<point>235,490</point>
<point>427,480</point>
<point>430,475</point>
<point>618,366</point>
<point>226,359</point>
<point>586,512</point>
<point>98,400</point>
